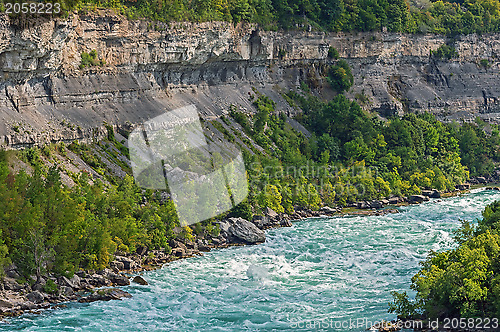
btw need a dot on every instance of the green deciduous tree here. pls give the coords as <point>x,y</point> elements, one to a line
<point>340,76</point>
<point>461,282</point>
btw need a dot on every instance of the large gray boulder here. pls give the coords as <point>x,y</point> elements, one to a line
<point>224,227</point>
<point>128,264</point>
<point>119,280</point>
<point>245,230</point>
<point>426,193</point>
<point>394,200</point>
<point>74,282</point>
<point>362,205</point>
<point>97,280</point>
<point>481,179</point>
<point>5,304</point>
<point>179,249</point>
<point>261,221</point>
<point>270,213</point>
<point>435,194</point>
<point>376,204</point>
<point>327,210</point>
<point>66,291</point>
<point>28,305</point>
<point>117,265</point>
<point>35,297</point>
<point>464,186</point>
<point>11,284</point>
<point>11,271</point>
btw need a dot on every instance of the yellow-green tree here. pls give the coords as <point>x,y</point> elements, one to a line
<point>271,197</point>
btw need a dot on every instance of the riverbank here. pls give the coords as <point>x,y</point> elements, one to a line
<point>87,286</point>
<point>18,297</point>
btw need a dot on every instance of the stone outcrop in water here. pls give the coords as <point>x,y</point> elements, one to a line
<point>140,280</point>
<point>105,295</point>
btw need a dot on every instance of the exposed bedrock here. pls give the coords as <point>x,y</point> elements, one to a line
<point>148,69</point>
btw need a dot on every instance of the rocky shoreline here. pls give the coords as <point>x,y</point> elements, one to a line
<point>17,298</point>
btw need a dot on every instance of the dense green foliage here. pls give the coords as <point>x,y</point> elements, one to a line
<point>340,76</point>
<point>424,143</point>
<point>462,282</point>
<point>412,16</point>
<point>242,210</point>
<point>353,156</point>
<point>445,52</point>
<point>478,150</point>
<point>48,227</point>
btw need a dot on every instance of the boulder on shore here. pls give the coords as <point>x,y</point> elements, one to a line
<point>245,230</point>
<point>35,297</point>
<point>140,280</point>
<point>286,223</point>
<point>66,291</point>
<point>464,186</point>
<point>117,265</point>
<point>261,221</point>
<point>179,249</point>
<point>270,213</point>
<point>362,205</point>
<point>435,194</point>
<point>327,210</point>
<point>97,280</point>
<point>5,304</point>
<point>395,200</point>
<point>73,283</point>
<point>119,280</point>
<point>128,264</point>
<point>415,199</point>
<point>11,284</point>
<point>481,179</point>
<point>376,204</point>
<point>426,193</point>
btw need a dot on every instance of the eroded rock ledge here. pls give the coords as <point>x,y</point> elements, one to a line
<point>150,68</point>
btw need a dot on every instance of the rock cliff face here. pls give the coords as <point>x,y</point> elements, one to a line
<point>150,68</point>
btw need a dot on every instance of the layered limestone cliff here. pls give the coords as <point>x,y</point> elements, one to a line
<point>151,68</point>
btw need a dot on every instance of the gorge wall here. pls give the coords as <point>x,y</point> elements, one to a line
<point>150,68</point>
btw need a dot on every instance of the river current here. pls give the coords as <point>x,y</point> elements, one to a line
<point>319,274</point>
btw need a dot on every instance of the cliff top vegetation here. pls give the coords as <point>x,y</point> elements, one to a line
<point>410,16</point>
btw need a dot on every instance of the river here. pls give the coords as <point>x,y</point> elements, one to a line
<point>327,271</point>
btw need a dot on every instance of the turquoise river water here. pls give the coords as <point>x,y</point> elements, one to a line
<point>322,270</point>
